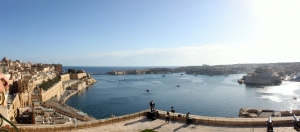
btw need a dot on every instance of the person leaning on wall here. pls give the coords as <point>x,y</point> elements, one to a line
<point>187,116</point>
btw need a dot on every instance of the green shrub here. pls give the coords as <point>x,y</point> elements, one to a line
<point>147,130</point>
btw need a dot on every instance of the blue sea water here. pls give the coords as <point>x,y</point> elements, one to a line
<point>200,95</point>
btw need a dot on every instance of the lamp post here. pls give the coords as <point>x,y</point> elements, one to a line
<point>173,111</point>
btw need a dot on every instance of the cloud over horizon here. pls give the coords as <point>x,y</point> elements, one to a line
<point>212,54</point>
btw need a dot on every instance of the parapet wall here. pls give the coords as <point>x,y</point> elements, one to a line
<point>200,120</point>
<point>230,121</point>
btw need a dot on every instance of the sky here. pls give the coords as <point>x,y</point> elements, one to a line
<point>150,32</point>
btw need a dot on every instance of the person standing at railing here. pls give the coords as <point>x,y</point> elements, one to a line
<point>151,106</point>
<point>167,117</point>
<point>187,116</point>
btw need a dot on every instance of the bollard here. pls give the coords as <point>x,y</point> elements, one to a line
<point>269,125</point>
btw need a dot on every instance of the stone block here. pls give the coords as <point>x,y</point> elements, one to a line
<point>204,121</point>
<point>285,113</point>
<point>295,112</point>
<point>219,121</point>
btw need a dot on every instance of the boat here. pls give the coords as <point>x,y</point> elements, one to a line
<point>181,74</point>
<point>178,85</point>
<point>295,98</point>
<point>195,74</point>
<point>147,90</point>
<point>163,75</point>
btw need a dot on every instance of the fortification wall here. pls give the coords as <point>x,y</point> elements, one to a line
<point>79,85</point>
<point>13,109</point>
<point>77,76</point>
<point>65,77</point>
<point>56,90</point>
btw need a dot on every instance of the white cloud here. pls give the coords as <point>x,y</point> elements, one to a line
<point>276,39</point>
<point>211,53</point>
<point>277,20</point>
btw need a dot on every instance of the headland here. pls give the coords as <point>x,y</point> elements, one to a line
<point>283,69</point>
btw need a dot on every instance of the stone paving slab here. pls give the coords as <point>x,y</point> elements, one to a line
<point>159,125</point>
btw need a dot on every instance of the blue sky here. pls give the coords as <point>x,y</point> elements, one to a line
<point>150,32</point>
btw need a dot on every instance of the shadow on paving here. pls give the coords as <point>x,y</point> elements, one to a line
<point>183,126</point>
<point>141,121</point>
<point>155,128</point>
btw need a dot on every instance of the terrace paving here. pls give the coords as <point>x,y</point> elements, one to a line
<point>159,125</point>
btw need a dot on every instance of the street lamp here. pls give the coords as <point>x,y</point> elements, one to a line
<point>173,111</point>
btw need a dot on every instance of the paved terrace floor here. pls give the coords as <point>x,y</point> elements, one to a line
<point>159,125</point>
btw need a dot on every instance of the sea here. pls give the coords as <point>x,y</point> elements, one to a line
<point>218,96</point>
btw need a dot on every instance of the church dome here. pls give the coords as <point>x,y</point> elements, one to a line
<point>5,59</point>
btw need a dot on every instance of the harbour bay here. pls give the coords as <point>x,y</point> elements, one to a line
<point>219,96</point>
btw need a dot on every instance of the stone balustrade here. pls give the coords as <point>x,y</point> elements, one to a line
<point>205,120</point>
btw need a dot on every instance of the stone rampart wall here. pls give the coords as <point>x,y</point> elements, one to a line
<point>82,85</point>
<point>65,77</point>
<point>90,81</point>
<point>78,86</point>
<point>57,90</point>
<point>77,76</point>
<point>13,108</point>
